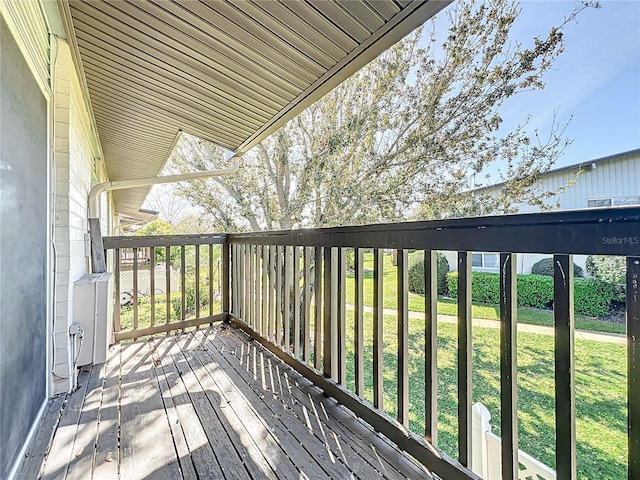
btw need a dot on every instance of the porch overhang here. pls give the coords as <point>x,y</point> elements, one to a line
<point>230,72</point>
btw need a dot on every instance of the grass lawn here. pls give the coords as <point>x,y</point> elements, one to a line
<point>600,391</point>
<point>144,311</point>
<point>448,306</point>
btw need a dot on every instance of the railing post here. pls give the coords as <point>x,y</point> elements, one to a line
<point>508,366</point>
<point>465,356</point>
<point>403,338</point>
<point>378,330</point>
<point>633,365</point>
<point>359,322</point>
<point>564,367</point>
<point>226,258</point>
<point>431,346</point>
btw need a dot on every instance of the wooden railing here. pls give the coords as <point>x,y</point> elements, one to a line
<point>289,291</point>
<point>181,282</point>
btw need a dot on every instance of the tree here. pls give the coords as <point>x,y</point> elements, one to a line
<point>159,227</point>
<point>410,128</point>
<point>171,206</point>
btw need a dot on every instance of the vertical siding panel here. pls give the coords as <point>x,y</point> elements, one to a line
<point>611,178</point>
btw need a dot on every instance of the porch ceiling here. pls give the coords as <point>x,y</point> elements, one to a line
<point>230,72</point>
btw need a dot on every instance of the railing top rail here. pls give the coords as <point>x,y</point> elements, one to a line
<point>163,240</point>
<point>607,231</point>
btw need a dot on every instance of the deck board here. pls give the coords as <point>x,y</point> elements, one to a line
<point>258,443</point>
<point>301,420</point>
<point>284,433</point>
<point>39,448</point>
<point>184,429</point>
<point>84,442</point>
<point>146,445</point>
<point>362,451</point>
<point>210,404</point>
<point>105,465</point>
<point>60,454</point>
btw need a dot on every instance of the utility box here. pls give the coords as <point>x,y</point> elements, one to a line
<point>92,311</point>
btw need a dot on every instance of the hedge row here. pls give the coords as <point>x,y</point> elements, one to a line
<point>591,296</point>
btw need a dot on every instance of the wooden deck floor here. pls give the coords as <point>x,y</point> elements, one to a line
<point>210,404</point>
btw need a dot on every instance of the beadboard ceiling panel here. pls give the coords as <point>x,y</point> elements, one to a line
<point>231,72</point>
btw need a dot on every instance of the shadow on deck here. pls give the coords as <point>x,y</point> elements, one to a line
<point>207,404</point>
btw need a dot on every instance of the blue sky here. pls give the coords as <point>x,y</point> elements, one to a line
<point>596,80</point>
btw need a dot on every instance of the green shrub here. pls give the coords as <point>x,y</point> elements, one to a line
<point>535,290</point>
<point>416,272</point>
<point>545,267</point>
<point>591,296</point>
<point>607,268</point>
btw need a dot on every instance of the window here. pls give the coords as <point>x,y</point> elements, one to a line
<point>484,260</point>
<point>599,202</point>
<point>614,201</point>
<point>630,200</point>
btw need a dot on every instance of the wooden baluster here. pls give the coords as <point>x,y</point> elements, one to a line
<point>296,302</point>
<point>564,366</point>
<point>403,337</point>
<point>464,358</point>
<point>306,311</point>
<point>633,365</point>
<point>431,345</point>
<point>508,366</point>
<point>378,330</point>
<point>359,322</point>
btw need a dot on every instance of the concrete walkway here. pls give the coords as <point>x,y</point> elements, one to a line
<point>522,327</point>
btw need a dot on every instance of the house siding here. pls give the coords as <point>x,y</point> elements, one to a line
<point>614,177</point>
<point>74,156</point>
<point>610,177</point>
<point>24,159</point>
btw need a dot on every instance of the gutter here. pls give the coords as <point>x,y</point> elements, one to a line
<point>148,181</point>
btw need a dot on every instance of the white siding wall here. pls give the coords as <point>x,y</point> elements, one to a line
<point>81,165</point>
<point>611,177</point>
<point>74,164</point>
<point>61,360</point>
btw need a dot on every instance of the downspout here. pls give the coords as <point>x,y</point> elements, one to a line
<point>148,181</point>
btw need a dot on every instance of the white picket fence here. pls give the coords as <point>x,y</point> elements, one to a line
<point>486,455</point>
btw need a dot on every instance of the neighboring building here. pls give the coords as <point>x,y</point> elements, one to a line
<point>612,181</point>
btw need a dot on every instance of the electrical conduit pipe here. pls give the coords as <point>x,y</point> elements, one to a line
<point>145,182</point>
